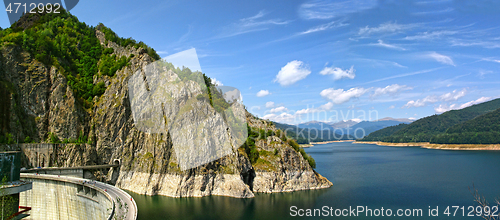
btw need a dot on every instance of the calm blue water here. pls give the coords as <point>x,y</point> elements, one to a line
<point>363,175</point>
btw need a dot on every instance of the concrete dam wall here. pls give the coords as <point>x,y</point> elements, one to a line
<point>54,197</point>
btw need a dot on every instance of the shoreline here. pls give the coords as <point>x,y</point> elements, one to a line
<point>328,142</point>
<point>305,145</point>
<point>436,146</point>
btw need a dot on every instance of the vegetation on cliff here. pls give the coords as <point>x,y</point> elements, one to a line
<point>62,41</point>
<point>75,90</point>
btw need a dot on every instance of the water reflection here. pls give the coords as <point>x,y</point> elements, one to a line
<point>262,206</point>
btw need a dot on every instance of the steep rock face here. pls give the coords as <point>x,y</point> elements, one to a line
<point>280,168</point>
<point>41,101</point>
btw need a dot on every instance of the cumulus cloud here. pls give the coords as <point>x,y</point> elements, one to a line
<point>453,96</point>
<point>326,106</point>
<point>444,108</point>
<point>263,93</point>
<point>269,104</point>
<point>475,102</point>
<point>441,58</point>
<point>422,102</point>
<point>392,107</point>
<point>339,73</point>
<point>216,82</point>
<point>278,109</point>
<point>292,72</point>
<point>283,117</point>
<point>306,111</point>
<point>339,96</point>
<point>390,89</point>
<point>450,96</point>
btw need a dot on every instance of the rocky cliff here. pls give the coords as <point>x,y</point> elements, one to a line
<point>40,105</point>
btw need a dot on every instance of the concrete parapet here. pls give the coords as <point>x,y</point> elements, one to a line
<point>54,197</point>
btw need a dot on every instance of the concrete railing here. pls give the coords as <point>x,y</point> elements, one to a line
<point>133,201</point>
<point>72,180</point>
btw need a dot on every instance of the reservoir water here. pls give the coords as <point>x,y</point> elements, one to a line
<point>367,175</point>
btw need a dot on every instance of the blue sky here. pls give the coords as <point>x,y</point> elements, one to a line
<point>297,61</point>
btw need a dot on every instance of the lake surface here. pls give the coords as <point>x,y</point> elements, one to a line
<point>363,175</point>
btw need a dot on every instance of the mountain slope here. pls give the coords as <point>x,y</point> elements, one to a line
<point>484,129</point>
<point>315,125</point>
<point>364,128</point>
<point>64,81</point>
<point>423,130</point>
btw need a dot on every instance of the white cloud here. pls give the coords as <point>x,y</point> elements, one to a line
<point>250,24</point>
<point>283,117</point>
<point>441,58</point>
<point>306,111</point>
<point>292,72</point>
<point>474,102</point>
<point>491,60</point>
<point>323,27</point>
<point>339,96</point>
<point>386,45</point>
<point>392,107</point>
<point>326,106</point>
<point>444,107</point>
<point>269,104</point>
<point>388,27</point>
<point>430,35</point>
<point>320,9</point>
<point>263,93</point>
<point>339,73</point>
<point>216,82</point>
<point>475,42</point>
<point>421,103</point>
<point>390,89</point>
<point>279,109</point>
<point>434,12</point>
<point>453,96</point>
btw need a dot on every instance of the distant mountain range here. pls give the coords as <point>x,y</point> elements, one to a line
<point>306,135</point>
<point>316,131</point>
<point>356,127</point>
<point>477,124</point>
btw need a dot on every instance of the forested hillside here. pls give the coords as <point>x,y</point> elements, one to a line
<point>70,46</point>
<point>425,129</point>
<point>484,129</point>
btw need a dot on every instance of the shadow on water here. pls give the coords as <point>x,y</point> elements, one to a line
<point>262,206</point>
